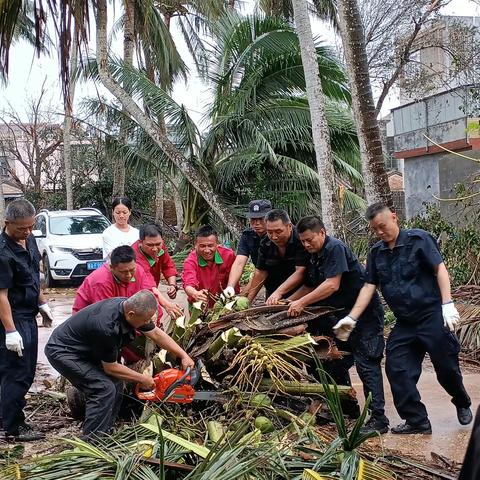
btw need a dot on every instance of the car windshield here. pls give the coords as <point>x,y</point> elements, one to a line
<point>78,225</point>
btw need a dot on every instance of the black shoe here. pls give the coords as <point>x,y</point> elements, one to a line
<point>375,424</point>
<point>405,428</point>
<point>464,415</point>
<point>24,433</point>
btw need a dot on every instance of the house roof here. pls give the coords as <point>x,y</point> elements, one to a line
<point>9,191</point>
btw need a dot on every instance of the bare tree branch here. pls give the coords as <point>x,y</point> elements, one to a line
<point>405,54</point>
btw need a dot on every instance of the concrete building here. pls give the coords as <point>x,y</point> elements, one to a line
<point>422,131</point>
<point>10,192</point>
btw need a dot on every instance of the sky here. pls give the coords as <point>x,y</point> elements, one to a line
<point>27,72</point>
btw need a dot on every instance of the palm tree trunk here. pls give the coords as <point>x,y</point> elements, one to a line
<point>2,204</point>
<point>159,197</point>
<point>194,177</point>
<point>373,164</point>
<point>119,171</point>
<point>331,212</point>
<point>67,125</point>
<point>177,199</point>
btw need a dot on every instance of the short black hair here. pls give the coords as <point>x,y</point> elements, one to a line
<point>310,222</point>
<point>277,214</point>
<point>205,231</point>
<point>122,201</point>
<point>150,230</point>
<point>374,209</point>
<point>122,254</point>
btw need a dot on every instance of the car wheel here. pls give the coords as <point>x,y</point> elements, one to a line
<point>49,281</point>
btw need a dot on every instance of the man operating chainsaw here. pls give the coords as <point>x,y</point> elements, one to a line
<point>85,350</point>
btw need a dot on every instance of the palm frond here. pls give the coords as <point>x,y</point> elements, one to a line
<point>20,20</point>
<point>157,41</point>
<point>257,57</point>
<point>195,46</point>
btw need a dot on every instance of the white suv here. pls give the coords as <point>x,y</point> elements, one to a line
<point>70,243</point>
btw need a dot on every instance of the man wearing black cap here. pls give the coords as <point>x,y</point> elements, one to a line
<point>249,243</point>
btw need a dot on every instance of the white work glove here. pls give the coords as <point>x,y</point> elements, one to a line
<point>227,294</point>
<point>450,316</point>
<point>46,313</point>
<point>14,342</point>
<point>343,328</point>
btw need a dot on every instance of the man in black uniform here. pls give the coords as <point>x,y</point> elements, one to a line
<point>281,259</point>
<point>85,349</point>
<point>249,244</point>
<point>333,278</point>
<point>407,267</point>
<point>20,301</point>
<point>471,463</point>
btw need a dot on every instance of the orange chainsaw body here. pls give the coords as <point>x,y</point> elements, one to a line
<point>183,393</point>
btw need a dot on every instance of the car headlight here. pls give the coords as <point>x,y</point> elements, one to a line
<point>55,249</point>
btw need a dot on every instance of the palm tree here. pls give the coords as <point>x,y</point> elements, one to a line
<point>119,171</point>
<point>194,177</point>
<point>373,163</point>
<point>277,88</point>
<point>67,123</point>
<point>321,137</point>
<point>63,12</point>
<point>260,142</point>
<point>17,22</point>
<point>344,16</point>
<point>162,66</point>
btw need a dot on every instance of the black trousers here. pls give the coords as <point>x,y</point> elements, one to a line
<point>17,373</point>
<point>471,463</point>
<point>366,350</point>
<point>406,349</point>
<point>103,394</point>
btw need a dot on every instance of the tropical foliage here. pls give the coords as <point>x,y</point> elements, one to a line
<point>460,246</point>
<point>149,450</point>
<point>258,142</point>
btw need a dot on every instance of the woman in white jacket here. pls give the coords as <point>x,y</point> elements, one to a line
<point>120,232</point>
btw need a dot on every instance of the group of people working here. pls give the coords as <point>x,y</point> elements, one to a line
<point>299,264</point>
<point>112,306</point>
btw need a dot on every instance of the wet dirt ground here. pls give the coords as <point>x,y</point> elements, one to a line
<point>449,438</point>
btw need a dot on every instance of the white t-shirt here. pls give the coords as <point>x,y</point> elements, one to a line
<point>113,237</point>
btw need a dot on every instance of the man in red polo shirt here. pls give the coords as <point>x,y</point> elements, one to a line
<point>153,257</point>
<point>207,267</point>
<point>121,277</point>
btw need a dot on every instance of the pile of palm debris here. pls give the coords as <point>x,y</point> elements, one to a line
<point>467,301</point>
<point>277,415</point>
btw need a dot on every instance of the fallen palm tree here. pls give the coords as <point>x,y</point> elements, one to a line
<point>251,440</point>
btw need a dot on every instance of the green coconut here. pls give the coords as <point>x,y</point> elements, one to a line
<point>264,424</point>
<point>260,400</point>
<point>241,303</point>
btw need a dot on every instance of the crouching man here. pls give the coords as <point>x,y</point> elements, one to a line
<point>85,349</point>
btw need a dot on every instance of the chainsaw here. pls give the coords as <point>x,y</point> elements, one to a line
<point>177,386</point>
